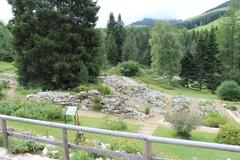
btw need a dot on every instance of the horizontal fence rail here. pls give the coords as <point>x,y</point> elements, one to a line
<point>66,145</point>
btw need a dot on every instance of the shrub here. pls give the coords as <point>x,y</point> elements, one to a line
<point>229,90</point>
<point>183,123</point>
<point>5,84</point>
<point>129,68</point>
<point>215,120</point>
<point>100,87</point>
<point>55,153</point>
<point>6,57</point>
<point>97,104</point>
<point>81,88</point>
<point>147,110</point>
<point>97,107</point>
<point>8,108</point>
<point>81,156</point>
<point>232,106</point>
<point>18,146</point>
<point>229,134</point>
<point>39,110</point>
<point>114,124</point>
<point>127,146</point>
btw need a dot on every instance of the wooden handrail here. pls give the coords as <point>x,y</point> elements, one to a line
<point>65,127</point>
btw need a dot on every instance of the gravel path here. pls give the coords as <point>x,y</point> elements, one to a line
<point>10,94</point>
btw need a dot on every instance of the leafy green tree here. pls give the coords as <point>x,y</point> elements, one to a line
<point>56,42</point>
<point>6,44</point>
<point>165,50</point>
<point>130,50</point>
<point>111,47</point>
<point>228,40</point>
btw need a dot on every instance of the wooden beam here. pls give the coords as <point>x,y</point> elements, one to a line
<point>5,135</point>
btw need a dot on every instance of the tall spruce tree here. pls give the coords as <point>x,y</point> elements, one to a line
<point>188,72</point>
<point>144,54</point>
<point>116,31</point>
<point>120,36</point>
<point>212,65</point>
<point>200,59</point>
<point>56,42</point>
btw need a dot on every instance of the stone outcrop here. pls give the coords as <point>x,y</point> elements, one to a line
<point>60,98</point>
<point>127,87</point>
<point>205,107</point>
<point>9,77</point>
<point>181,104</point>
<point>118,106</point>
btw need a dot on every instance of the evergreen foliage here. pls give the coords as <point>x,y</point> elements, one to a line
<point>116,33</point>
<point>212,65</point>
<point>56,43</point>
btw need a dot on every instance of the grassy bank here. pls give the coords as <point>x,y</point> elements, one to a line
<point>188,153</point>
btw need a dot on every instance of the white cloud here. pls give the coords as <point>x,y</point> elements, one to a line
<point>5,11</point>
<point>133,10</point>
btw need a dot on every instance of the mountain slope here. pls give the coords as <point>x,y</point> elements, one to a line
<point>205,18</point>
<point>149,22</point>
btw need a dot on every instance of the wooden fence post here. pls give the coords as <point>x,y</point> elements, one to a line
<point>65,144</point>
<point>148,150</point>
<point>5,134</point>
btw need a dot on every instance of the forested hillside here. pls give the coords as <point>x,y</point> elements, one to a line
<point>149,22</point>
<point>204,19</point>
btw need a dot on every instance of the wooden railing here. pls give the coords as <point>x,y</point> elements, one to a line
<point>66,145</point>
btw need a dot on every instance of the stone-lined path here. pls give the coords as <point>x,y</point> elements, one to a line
<point>149,126</point>
<point>10,94</point>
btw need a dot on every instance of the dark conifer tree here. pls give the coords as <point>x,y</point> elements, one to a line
<point>56,42</point>
<point>188,69</point>
<point>212,64</point>
<point>200,59</point>
<point>116,31</point>
<point>120,36</point>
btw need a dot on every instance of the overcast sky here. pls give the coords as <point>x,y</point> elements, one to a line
<point>134,10</point>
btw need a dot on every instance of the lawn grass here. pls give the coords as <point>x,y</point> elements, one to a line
<point>56,133</point>
<point>161,85</point>
<point>23,91</point>
<point>171,151</point>
<point>188,153</point>
<point>7,67</point>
